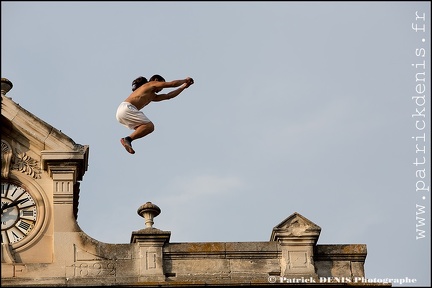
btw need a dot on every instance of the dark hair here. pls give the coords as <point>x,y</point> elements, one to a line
<point>157,77</point>
<point>138,82</point>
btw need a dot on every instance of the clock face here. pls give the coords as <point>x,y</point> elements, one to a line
<point>18,213</point>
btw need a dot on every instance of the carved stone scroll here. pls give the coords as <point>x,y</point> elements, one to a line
<point>6,157</point>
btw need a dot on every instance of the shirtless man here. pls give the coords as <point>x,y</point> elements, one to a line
<point>143,92</point>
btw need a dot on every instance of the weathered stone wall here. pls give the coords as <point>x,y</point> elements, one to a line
<point>219,261</point>
<point>152,260</point>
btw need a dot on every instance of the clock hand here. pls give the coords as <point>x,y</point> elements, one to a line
<point>15,203</point>
<point>3,207</point>
<point>11,204</point>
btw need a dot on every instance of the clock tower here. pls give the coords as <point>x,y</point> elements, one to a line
<point>40,171</point>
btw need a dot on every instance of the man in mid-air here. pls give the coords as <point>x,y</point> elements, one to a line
<point>143,92</point>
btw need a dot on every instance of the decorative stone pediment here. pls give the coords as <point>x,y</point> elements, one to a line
<point>297,236</point>
<point>28,143</point>
<point>295,226</point>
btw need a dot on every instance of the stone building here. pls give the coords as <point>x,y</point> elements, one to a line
<point>42,244</point>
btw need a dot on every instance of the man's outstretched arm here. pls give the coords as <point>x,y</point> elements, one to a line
<point>170,84</point>
<point>174,93</point>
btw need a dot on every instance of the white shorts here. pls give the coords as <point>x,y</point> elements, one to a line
<point>128,115</point>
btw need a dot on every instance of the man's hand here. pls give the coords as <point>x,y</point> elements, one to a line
<point>189,81</point>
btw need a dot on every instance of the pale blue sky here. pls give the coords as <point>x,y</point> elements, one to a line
<point>297,107</point>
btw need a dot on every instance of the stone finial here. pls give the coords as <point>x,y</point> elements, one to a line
<point>6,86</point>
<point>148,211</point>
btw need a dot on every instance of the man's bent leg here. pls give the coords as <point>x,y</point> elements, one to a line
<point>142,130</point>
<point>139,132</point>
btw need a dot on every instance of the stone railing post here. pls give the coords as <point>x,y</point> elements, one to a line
<point>150,245</point>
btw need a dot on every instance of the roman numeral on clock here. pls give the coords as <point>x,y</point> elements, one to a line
<point>27,213</point>
<point>24,225</point>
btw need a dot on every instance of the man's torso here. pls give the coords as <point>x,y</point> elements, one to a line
<point>141,97</point>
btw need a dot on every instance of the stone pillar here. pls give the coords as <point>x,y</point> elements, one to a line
<point>64,196</point>
<point>65,168</point>
<point>150,242</point>
<point>297,237</point>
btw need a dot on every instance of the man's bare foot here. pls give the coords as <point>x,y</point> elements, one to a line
<point>127,145</point>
